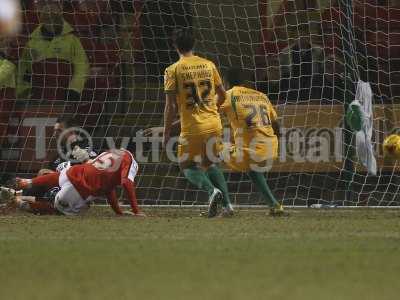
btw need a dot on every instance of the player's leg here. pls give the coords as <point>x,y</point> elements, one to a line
<point>189,149</point>
<point>197,177</point>
<point>40,191</point>
<point>213,147</point>
<point>49,180</point>
<point>15,199</point>
<point>261,184</point>
<point>68,201</point>
<point>217,178</point>
<point>260,157</point>
<point>35,206</point>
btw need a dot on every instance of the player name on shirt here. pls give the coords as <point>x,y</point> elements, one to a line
<point>192,75</point>
<point>248,98</point>
<point>201,66</point>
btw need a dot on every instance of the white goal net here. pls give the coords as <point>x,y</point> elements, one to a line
<point>101,62</point>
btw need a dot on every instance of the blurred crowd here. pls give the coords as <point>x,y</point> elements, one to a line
<point>74,50</point>
<point>305,43</point>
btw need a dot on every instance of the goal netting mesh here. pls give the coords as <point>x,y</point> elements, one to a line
<point>104,67</point>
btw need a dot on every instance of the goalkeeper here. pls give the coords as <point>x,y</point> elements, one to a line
<point>72,150</point>
<point>255,127</point>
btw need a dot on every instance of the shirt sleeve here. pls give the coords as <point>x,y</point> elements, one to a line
<point>113,201</point>
<point>169,80</point>
<point>130,189</point>
<point>127,181</point>
<point>217,77</point>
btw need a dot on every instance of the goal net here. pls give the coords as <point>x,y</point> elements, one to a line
<point>102,63</point>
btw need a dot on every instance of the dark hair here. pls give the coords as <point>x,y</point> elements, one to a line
<point>235,76</point>
<point>183,40</point>
<point>68,121</point>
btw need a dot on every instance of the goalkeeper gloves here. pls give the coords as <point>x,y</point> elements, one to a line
<point>80,154</point>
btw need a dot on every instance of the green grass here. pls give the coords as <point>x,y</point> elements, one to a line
<point>313,254</point>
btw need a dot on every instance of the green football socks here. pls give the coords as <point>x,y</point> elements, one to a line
<point>217,178</point>
<point>197,177</point>
<point>260,182</point>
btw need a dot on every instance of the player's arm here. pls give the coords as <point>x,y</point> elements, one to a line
<point>274,121</point>
<point>221,94</point>
<point>277,128</point>
<point>175,127</point>
<point>219,87</point>
<point>113,201</point>
<point>128,184</point>
<point>130,188</point>
<point>155,131</point>
<point>170,112</point>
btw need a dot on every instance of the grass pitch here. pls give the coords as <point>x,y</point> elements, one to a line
<point>174,254</point>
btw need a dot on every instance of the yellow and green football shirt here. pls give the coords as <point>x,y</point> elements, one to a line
<point>250,114</point>
<point>194,80</point>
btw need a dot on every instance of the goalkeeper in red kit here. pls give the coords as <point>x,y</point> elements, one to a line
<point>80,184</point>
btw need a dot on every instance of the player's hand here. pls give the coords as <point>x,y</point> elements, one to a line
<point>80,154</point>
<point>130,213</point>
<point>153,131</point>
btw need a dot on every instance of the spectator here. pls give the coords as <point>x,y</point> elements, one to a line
<point>7,68</point>
<point>7,85</point>
<point>53,39</point>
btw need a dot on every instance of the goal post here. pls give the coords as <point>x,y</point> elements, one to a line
<point>305,55</point>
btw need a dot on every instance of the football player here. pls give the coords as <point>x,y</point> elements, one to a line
<point>190,86</point>
<point>65,131</point>
<point>255,128</point>
<point>79,184</point>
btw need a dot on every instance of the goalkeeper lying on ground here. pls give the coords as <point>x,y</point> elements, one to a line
<point>66,132</point>
<point>79,184</point>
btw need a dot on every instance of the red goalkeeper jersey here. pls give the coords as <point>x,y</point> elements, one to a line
<point>102,175</point>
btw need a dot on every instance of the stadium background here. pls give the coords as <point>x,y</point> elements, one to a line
<point>285,46</point>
